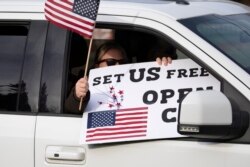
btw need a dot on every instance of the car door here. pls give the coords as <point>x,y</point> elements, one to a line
<point>57,134</point>
<point>21,58</point>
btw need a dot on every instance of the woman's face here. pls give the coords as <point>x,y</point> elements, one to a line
<point>111,57</point>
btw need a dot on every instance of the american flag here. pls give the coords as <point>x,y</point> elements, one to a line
<point>76,15</point>
<point>117,124</point>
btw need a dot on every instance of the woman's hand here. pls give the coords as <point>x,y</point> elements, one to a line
<point>81,88</point>
<point>164,60</point>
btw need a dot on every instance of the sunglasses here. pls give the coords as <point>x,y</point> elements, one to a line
<point>111,62</point>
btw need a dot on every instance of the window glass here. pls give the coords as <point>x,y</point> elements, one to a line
<point>52,70</point>
<point>12,47</point>
<point>229,34</point>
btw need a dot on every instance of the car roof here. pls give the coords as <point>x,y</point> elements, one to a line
<point>176,9</point>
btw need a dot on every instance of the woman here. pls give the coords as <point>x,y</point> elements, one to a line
<point>108,54</point>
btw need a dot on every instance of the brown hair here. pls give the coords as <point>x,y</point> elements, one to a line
<point>104,48</point>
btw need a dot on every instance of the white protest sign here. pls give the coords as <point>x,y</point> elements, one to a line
<point>139,101</point>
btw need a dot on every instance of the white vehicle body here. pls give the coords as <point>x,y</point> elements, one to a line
<point>32,140</point>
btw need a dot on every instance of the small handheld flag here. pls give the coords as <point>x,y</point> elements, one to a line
<point>76,15</point>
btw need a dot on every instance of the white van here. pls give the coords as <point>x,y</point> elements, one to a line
<point>36,65</point>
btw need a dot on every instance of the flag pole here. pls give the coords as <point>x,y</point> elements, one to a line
<point>86,68</point>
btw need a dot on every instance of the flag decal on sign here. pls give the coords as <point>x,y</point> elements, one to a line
<point>117,124</point>
<point>78,16</point>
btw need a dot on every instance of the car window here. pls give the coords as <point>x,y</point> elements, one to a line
<point>12,47</point>
<point>139,46</point>
<point>229,34</point>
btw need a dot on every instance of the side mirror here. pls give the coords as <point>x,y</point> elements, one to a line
<point>210,115</point>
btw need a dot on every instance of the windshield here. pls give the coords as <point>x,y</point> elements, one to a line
<point>229,34</point>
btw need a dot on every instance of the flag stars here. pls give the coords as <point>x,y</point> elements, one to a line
<point>102,119</point>
<point>86,8</point>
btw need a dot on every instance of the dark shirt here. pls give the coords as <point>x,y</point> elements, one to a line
<point>72,102</point>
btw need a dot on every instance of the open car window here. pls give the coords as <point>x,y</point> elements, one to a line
<point>140,46</point>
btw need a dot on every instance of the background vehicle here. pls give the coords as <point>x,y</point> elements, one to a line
<point>36,65</point>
